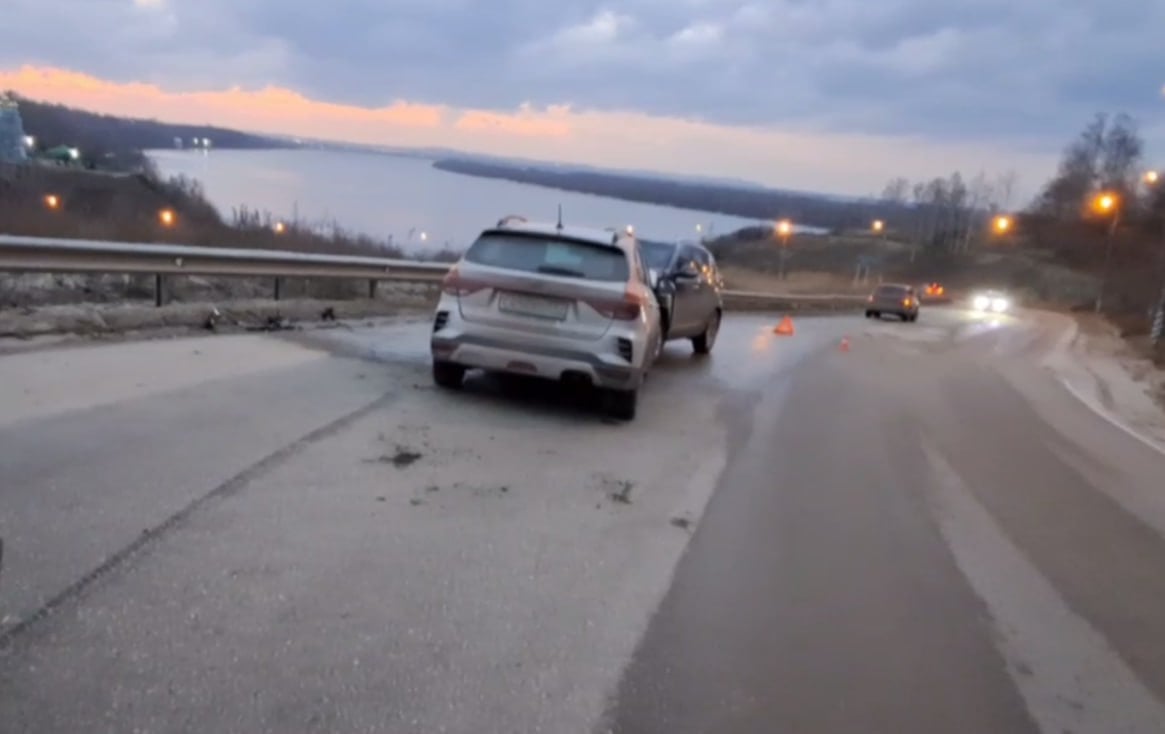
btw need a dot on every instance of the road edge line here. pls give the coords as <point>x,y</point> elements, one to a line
<point>112,562</point>
<point>1065,670</point>
<point>1113,420</point>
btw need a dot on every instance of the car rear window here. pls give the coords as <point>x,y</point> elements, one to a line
<point>895,291</point>
<point>657,255</point>
<point>550,256</point>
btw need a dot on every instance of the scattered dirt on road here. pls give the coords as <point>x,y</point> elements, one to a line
<point>619,490</point>
<point>401,458</point>
<point>404,457</point>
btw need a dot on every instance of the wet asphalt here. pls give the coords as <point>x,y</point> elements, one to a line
<point>792,537</point>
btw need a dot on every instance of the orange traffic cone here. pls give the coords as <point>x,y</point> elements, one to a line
<point>844,346</point>
<point>785,327</point>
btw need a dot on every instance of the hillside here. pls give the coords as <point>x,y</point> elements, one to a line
<point>115,143</point>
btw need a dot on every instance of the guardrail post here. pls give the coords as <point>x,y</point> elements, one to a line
<point>372,288</point>
<point>159,290</point>
<point>278,287</point>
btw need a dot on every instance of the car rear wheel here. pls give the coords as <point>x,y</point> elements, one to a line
<point>621,404</point>
<point>704,342</point>
<point>448,374</point>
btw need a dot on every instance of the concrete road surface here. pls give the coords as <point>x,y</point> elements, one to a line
<point>924,533</point>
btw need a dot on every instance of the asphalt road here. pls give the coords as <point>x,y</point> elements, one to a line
<point>923,533</point>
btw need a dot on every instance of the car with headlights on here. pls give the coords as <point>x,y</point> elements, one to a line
<point>545,300</point>
<point>991,301</point>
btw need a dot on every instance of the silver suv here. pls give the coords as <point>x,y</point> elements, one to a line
<point>562,303</point>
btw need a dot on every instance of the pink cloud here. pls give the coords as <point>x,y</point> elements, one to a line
<point>850,163</point>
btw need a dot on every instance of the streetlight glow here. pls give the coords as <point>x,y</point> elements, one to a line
<point>424,236</point>
<point>29,142</point>
<point>1152,177</point>
<point>1002,224</point>
<point>166,217</point>
<point>784,227</point>
<point>52,201</point>
<point>279,228</point>
<point>878,225</point>
<point>1106,202</point>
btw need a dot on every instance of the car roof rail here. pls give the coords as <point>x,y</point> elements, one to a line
<point>510,218</point>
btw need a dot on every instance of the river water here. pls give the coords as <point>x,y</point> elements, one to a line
<point>407,199</point>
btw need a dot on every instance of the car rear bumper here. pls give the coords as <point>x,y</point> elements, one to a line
<point>498,352</point>
<point>896,309</point>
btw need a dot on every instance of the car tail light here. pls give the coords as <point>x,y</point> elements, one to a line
<point>626,308</point>
<point>455,285</point>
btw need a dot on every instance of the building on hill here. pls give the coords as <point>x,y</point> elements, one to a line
<point>12,138</point>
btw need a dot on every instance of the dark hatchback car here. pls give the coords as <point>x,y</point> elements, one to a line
<point>687,285</point>
<point>890,298</point>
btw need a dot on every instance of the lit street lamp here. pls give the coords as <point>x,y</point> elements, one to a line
<point>878,226</point>
<point>29,142</point>
<point>52,201</point>
<point>1107,203</point>
<point>784,231</point>
<point>166,217</point>
<point>1151,178</point>
<point>1002,224</point>
<point>279,228</point>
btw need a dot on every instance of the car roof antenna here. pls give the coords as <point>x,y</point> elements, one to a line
<point>559,225</point>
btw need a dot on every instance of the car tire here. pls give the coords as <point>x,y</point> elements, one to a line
<point>621,404</point>
<point>703,343</point>
<point>877,314</point>
<point>448,374</point>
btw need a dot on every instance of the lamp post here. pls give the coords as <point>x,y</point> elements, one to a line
<point>1107,203</point>
<point>784,232</point>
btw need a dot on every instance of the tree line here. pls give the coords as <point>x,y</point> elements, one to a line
<point>951,214</point>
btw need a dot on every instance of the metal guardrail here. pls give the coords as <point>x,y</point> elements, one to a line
<point>40,254</point>
<point>56,255</point>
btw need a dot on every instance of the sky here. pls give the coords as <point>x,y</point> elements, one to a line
<point>827,95</point>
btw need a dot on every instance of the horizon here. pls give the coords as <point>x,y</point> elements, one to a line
<point>841,103</point>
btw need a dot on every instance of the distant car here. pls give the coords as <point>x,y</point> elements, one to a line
<point>890,298</point>
<point>991,301</point>
<point>687,285</point>
<point>562,303</point>
<point>934,290</point>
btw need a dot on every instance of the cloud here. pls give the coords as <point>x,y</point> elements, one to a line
<point>853,163</point>
<point>985,70</point>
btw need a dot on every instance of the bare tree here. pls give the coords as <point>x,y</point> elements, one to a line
<point>1004,189</point>
<point>1121,155</point>
<point>1106,154</point>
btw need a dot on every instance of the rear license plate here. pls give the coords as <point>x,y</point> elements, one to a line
<point>544,308</point>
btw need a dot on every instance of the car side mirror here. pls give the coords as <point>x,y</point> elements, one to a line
<point>687,272</point>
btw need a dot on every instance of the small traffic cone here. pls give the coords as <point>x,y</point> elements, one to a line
<point>844,346</point>
<point>785,327</point>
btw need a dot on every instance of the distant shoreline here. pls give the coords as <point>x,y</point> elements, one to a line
<point>755,204</point>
